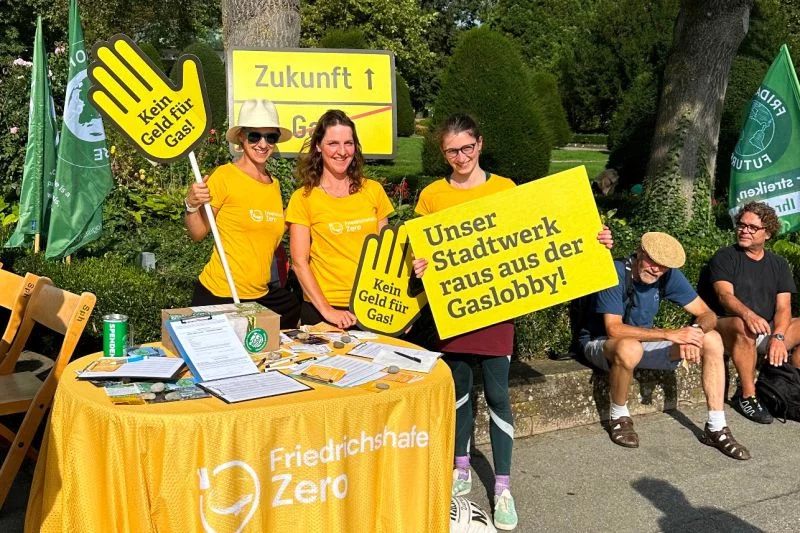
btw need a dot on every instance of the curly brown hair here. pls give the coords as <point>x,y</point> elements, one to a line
<point>768,216</point>
<point>309,164</point>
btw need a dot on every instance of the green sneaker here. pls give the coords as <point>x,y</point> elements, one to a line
<point>461,486</point>
<point>505,513</point>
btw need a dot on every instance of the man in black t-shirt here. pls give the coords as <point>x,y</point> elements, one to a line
<point>751,289</point>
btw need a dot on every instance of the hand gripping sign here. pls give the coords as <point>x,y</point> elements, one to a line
<point>165,120</point>
<point>385,297</point>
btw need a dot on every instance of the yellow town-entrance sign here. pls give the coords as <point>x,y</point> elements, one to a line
<point>304,83</point>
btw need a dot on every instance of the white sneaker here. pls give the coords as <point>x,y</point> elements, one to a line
<point>461,486</point>
<point>505,513</point>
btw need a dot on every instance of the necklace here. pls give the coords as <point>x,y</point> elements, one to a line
<point>335,195</point>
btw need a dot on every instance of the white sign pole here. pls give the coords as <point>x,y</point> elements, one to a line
<point>213,223</point>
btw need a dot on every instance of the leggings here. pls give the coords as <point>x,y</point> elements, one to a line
<point>495,389</point>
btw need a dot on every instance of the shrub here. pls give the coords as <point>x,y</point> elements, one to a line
<point>153,53</point>
<point>119,287</point>
<point>214,76</point>
<point>631,130</point>
<point>349,39</point>
<point>544,87</point>
<point>483,79</point>
<point>405,113</point>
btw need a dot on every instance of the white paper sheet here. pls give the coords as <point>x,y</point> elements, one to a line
<point>357,371</point>
<point>251,387</point>
<point>211,348</point>
<point>406,358</point>
<point>152,368</point>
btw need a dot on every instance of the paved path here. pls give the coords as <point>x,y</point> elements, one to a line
<point>577,480</point>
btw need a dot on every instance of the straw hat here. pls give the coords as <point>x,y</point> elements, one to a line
<point>257,114</point>
<point>663,249</point>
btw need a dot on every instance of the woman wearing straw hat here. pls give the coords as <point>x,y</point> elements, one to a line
<point>247,205</point>
<point>331,216</point>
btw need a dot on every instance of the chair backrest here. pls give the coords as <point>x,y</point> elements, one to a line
<point>59,310</point>
<point>15,292</point>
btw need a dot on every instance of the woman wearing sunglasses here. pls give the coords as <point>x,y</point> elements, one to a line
<point>461,142</point>
<point>331,216</point>
<point>247,205</point>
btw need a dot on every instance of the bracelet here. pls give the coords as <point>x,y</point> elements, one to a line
<point>190,209</point>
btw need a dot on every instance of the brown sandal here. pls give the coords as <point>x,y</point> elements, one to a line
<point>622,433</point>
<point>724,442</point>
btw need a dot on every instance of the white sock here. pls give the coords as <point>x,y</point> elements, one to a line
<point>716,420</point>
<point>619,410</point>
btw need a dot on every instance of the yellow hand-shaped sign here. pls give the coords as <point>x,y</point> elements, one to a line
<point>385,297</point>
<point>165,120</point>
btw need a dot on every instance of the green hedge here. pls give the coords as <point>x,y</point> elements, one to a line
<point>214,77</point>
<point>120,287</point>
<point>405,113</point>
<point>544,87</point>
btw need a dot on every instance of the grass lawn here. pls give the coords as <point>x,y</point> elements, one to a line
<point>407,164</point>
<point>595,161</point>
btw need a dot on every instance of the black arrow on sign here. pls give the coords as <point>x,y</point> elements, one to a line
<point>369,74</point>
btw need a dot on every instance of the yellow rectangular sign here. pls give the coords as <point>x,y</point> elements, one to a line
<point>512,253</point>
<point>304,83</point>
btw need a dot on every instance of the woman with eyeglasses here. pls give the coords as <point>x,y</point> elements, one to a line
<point>490,347</point>
<point>246,202</point>
<point>330,216</point>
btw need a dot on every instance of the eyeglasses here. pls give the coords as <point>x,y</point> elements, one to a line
<point>748,228</point>
<point>254,137</point>
<point>467,149</point>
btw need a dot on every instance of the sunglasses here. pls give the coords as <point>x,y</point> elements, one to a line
<point>254,137</point>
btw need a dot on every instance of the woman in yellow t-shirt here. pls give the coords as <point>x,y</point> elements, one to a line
<point>490,347</point>
<point>247,205</point>
<point>330,217</point>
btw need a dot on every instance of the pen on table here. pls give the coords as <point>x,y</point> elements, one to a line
<point>415,359</point>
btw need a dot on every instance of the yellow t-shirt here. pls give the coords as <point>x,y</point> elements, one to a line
<point>441,195</point>
<point>339,227</point>
<point>251,224</point>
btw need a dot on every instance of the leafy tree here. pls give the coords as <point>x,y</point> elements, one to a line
<point>682,160</point>
<point>351,39</point>
<point>483,79</point>
<point>625,38</point>
<point>544,88</point>
<point>397,25</point>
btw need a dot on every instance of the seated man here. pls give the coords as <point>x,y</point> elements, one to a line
<point>620,337</point>
<point>751,290</point>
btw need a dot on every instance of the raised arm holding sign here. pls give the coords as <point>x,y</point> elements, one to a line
<point>164,120</point>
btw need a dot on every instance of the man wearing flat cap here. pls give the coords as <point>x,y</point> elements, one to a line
<point>751,288</point>
<point>620,337</point>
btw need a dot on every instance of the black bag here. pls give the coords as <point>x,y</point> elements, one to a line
<point>778,388</point>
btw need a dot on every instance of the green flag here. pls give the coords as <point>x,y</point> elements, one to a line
<point>765,165</point>
<point>40,154</point>
<point>83,176</point>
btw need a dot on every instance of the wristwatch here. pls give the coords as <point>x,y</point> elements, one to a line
<point>190,209</point>
<point>779,336</point>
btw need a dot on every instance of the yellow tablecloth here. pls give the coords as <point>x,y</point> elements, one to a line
<point>326,460</point>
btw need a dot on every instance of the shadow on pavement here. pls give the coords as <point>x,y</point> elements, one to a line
<point>681,516</point>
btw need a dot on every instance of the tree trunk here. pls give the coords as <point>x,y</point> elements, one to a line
<point>679,181</point>
<point>261,24</point>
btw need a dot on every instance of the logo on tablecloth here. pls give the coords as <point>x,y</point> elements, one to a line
<point>229,497</point>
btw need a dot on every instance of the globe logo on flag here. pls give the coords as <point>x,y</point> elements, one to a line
<point>765,134</point>
<point>83,121</point>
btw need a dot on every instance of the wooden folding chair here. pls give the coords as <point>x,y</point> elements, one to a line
<point>15,291</point>
<point>22,392</point>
